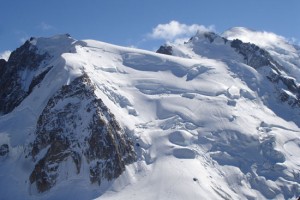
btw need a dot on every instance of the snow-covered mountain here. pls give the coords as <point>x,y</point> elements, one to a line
<point>216,118</point>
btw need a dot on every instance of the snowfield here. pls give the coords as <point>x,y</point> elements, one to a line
<point>205,125</point>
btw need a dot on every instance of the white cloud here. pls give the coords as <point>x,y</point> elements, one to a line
<point>175,31</point>
<point>45,27</point>
<point>263,39</point>
<point>5,55</point>
<point>181,40</point>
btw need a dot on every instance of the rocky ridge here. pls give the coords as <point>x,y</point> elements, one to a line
<point>19,75</point>
<point>77,125</point>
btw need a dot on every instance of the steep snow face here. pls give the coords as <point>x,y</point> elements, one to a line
<point>202,126</point>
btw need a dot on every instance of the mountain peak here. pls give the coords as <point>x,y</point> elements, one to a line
<point>218,119</point>
<point>54,45</point>
<point>202,36</point>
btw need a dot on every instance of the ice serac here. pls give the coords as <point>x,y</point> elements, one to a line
<point>77,127</point>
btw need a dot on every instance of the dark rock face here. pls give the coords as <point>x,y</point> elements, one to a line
<point>256,57</point>
<point>38,79</point>
<point>4,149</point>
<point>76,125</point>
<point>253,55</point>
<point>2,66</point>
<point>211,36</point>
<point>287,87</point>
<point>165,50</point>
<point>12,90</point>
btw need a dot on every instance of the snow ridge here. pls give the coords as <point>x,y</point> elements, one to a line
<point>219,119</point>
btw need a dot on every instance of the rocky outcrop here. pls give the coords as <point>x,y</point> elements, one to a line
<point>4,149</point>
<point>210,36</point>
<point>253,55</point>
<point>290,93</point>
<point>38,79</point>
<point>76,126</point>
<point>257,57</point>
<point>22,61</point>
<point>165,50</point>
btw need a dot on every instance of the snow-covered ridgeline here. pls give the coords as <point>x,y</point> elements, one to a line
<point>203,126</point>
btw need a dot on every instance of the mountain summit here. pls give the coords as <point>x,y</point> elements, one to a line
<point>215,118</point>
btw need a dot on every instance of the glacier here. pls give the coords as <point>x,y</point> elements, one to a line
<point>216,118</point>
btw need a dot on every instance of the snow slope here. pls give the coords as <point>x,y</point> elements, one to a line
<point>201,127</point>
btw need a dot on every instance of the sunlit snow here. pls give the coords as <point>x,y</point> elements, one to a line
<point>200,123</point>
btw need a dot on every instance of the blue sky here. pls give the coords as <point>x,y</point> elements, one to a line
<point>133,22</point>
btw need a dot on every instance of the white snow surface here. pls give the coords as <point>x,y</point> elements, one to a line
<point>203,129</point>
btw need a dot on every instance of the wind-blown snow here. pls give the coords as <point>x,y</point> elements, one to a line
<point>202,130</point>
<point>261,38</point>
